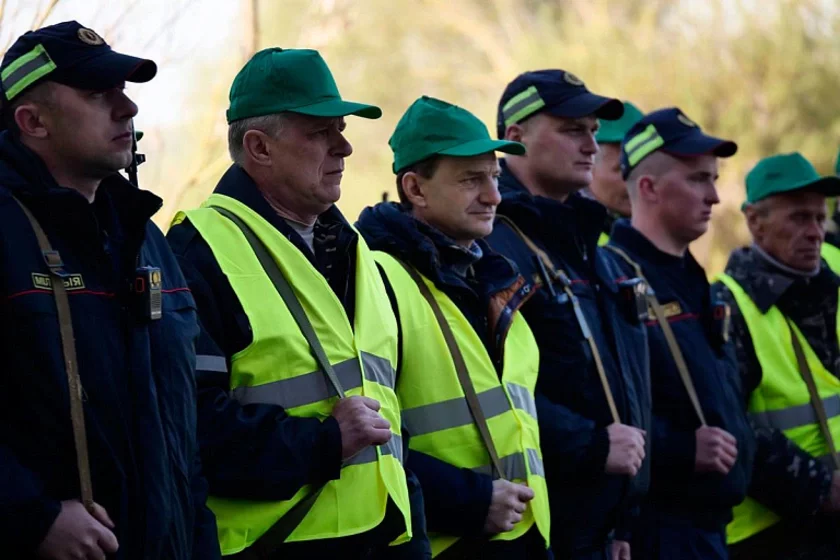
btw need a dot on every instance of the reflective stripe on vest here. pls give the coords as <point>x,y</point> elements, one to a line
<point>436,413</point>
<point>278,368</point>
<point>795,416</point>
<point>782,400</point>
<point>453,413</point>
<point>831,254</point>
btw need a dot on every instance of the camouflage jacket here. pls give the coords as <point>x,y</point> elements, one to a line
<point>786,478</point>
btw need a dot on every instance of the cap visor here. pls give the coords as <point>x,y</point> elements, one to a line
<point>700,144</point>
<point>339,108</point>
<point>588,104</point>
<point>478,147</point>
<point>828,186</point>
<point>107,70</point>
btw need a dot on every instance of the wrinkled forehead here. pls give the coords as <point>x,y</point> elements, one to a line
<point>798,201</point>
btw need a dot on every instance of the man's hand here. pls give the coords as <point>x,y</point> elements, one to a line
<point>620,550</point>
<point>717,450</point>
<point>506,506</point>
<point>627,449</point>
<point>360,424</point>
<point>78,535</point>
<point>832,501</point>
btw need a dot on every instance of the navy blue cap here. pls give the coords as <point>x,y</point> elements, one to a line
<point>670,131</point>
<point>555,92</point>
<point>70,54</point>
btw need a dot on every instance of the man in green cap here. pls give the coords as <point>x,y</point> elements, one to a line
<point>462,333</point>
<point>607,186</point>
<point>299,420</point>
<point>784,302</point>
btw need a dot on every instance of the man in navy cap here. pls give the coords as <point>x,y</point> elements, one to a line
<point>99,454</point>
<point>592,391</point>
<point>702,442</point>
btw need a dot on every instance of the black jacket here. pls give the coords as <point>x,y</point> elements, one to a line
<point>258,451</point>
<point>811,303</point>
<point>585,502</point>
<point>137,374</point>
<point>680,285</point>
<point>488,290</point>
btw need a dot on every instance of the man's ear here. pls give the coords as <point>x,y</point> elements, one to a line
<point>647,188</point>
<point>412,185</point>
<point>256,147</point>
<point>515,133</point>
<point>29,118</point>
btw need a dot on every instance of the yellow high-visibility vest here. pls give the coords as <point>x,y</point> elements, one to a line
<point>435,410</point>
<point>782,400</point>
<point>603,239</point>
<point>278,368</point>
<point>831,254</point>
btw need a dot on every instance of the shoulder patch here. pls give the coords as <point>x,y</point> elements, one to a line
<point>44,282</point>
<point>671,309</point>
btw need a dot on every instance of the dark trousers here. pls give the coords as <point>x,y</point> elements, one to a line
<point>815,539</point>
<point>599,552</point>
<point>665,537</point>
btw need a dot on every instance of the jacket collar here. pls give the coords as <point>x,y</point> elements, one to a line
<point>389,228</point>
<point>578,218</point>
<point>237,184</point>
<point>638,245</point>
<point>765,283</point>
<point>26,176</point>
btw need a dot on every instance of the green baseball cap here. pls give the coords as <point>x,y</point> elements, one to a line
<point>612,132</point>
<point>786,173</point>
<point>279,80</point>
<point>434,127</point>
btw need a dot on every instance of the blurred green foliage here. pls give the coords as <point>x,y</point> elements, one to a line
<point>764,73</point>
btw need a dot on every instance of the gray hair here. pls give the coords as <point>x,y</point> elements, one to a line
<point>271,125</point>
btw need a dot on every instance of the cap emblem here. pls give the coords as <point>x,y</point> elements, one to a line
<point>90,37</point>
<point>686,121</point>
<point>572,79</point>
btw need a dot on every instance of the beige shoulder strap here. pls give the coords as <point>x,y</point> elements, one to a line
<point>816,401</point>
<point>461,368</point>
<point>673,346</point>
<point>71,364</point>
<point>563,278</point>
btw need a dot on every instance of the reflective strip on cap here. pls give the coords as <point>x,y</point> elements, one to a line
<point>642,145</point>
<point>795,416</point>
<point>25,70</point>
<point>522,105</point>
<point>514,466</point>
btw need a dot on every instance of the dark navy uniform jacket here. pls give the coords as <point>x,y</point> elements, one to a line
<point>137,374</point>
<point>705,499</point>
<point>586,503</point>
